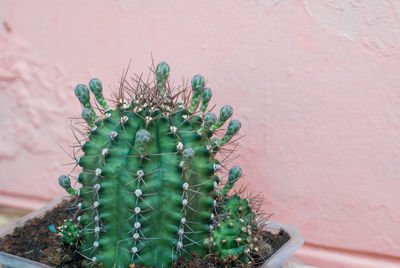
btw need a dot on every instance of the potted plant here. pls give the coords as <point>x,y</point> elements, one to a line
<point>154,181</point>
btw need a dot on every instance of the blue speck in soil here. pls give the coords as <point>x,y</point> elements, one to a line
<point>52,228</point>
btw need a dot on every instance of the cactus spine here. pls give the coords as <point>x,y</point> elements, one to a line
<point>149,174</point>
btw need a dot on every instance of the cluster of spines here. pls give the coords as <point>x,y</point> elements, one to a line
<point>153,142</point>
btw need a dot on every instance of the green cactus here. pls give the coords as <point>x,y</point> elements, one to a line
<point>235,230</point>
<point>149,175</point>
<point>69,232</point>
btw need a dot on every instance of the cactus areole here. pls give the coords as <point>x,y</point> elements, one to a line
<point>149,176</point>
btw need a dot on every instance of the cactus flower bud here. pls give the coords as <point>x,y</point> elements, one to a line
<point>224,114</point>
<point>207,94</point>
<point>209,120</point>
<point>162,72</point>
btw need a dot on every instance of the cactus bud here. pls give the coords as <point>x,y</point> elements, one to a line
<point>65,183</point>
<point>233,128</point>
<point>97,89</point>
<point>209,120</point>
<point>207,94</point>
<point>234,173</point>
<point>224,114</point>
<point>198,83</point>
<point>88,117</point>
<point>83,95</point>
<point>197,87</point>
<point>162,72</point>
<point>142,140</point>
<point>187,156</point>
<point>95,86</point>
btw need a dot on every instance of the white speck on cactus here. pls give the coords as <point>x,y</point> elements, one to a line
<point>215,203</point>
<point>138,192</point>
<point>96,187</point>
<point>173,129</point>
<point>183,220</point>
<point>98,171</point>
<point>185,186</point>
<point>97,229</point>
<point>215,185</point>
<point>148,119</point>
<point>179,146</point>
<point>107,115</point>
<point>185,117</point>
<point>209,148</point>
<point>211,227</point>
<point>94,128</point>
<point>124,119</point>
<point>95,244</point>
<point>113,134</point>
<point>184,202</point>
<point>134,250</point>
<point>182,164</point>
<point>79,205</point>
<point>140,173</point>
<point>125,106</point>
<point>77,177</point>
<point>212,216</point>
<point>137,109</point>
<point>104,152</point>
<point>217,167</point>
<point>94,259</point>
<point>96,219</point>
<point>137,225</point>
<point>181,231</point>
<point>83,143</point>
<point>135,236</point>
<point>79,218</point>
<point>137,210</point>
<point>95,204</point>
<point>179,245</point>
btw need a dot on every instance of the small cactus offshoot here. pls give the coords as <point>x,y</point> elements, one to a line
<point>69,232</point>
<point>149,176</point>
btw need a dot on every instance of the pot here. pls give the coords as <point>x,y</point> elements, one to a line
<point>279,258</point>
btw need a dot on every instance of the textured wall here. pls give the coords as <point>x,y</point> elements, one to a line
<point>315,83</point>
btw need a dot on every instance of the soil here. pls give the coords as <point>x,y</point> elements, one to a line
<point>35,241</point>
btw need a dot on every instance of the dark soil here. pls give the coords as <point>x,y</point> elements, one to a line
<point>36,242</point>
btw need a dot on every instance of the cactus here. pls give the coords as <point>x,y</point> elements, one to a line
<point>149,180</point>
<point>69,232</point>
<point>236,230</point>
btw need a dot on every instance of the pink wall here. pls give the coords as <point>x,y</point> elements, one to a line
<point>315,83</point>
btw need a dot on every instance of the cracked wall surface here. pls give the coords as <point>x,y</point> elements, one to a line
<point>316,84</point>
